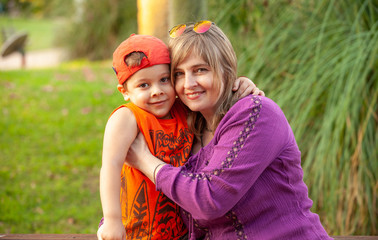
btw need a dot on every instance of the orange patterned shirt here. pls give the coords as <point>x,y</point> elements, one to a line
<point>147,213</point>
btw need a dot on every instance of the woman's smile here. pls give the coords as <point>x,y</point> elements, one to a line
<point>194,95</point>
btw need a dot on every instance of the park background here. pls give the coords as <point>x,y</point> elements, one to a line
<point>315,58</point>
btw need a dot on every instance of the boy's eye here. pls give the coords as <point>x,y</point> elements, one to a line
<point>164,80</point>
<point>143,85</point>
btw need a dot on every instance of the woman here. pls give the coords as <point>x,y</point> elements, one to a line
<point>244,178</point>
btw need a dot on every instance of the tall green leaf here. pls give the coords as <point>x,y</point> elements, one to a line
<point>318,61</point>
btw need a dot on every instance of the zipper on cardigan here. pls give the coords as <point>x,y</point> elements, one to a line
<point>190,226</point>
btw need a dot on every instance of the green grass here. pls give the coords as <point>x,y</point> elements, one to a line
<point>41,31</point>
<point>51,125</point>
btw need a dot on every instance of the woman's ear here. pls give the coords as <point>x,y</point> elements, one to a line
<point>123,91</point>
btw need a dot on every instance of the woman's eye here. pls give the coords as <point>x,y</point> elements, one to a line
<point>200,70</point>
<point>178,74</point>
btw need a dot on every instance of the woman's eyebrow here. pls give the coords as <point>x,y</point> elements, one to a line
<point>200,65</point>
<point>195,66</point>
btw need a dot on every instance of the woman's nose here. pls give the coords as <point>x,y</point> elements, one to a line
<point>190,81</point>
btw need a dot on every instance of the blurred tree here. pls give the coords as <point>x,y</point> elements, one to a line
<point>98,27</point>
<point>40,8</point>
<point>184,11</point>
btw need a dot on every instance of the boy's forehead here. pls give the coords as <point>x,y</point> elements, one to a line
<point>151,72</point>
<point>154,69</point>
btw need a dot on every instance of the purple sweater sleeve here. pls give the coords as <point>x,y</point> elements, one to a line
<point>251,135</point>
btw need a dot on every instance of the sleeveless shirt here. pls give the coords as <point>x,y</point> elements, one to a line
<point>146,212</point>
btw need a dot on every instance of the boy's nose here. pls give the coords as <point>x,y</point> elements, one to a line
<point>156,91</point>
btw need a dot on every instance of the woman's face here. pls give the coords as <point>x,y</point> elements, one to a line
<point>195,85</point>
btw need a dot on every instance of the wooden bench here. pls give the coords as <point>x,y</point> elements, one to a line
<point>94,237</point>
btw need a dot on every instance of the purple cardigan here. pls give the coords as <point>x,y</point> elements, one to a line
<point>247,183</point>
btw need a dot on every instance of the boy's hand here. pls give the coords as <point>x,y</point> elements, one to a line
<point>244,86</point>
<point>111,231</point>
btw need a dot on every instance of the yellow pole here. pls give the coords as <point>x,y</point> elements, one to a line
<point>153,17</point>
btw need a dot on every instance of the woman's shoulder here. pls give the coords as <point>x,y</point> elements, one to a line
<point>258,106</point>
<point>253,101</point>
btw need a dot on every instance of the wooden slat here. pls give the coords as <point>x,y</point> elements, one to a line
<point>48,236</point>
<point>355,237</point>
<point>94,237</point>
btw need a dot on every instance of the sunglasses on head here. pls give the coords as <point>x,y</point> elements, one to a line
<point>199,27</point>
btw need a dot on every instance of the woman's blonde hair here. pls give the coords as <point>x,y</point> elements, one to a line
<point>216,50</point>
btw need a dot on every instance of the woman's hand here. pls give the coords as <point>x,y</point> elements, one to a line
<point>244,86</point>
<point>140,157</point>
<point>138,151</point>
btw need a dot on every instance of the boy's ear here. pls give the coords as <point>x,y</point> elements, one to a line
<point>123,91</point>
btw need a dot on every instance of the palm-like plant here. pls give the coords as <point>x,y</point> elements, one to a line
<point>318,60</point>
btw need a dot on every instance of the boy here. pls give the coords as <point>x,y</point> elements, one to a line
<point>142,67</point>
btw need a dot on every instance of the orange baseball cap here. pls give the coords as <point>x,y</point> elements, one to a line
<point>155,50</point>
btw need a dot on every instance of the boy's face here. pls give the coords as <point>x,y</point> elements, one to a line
<point>151,89</point>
